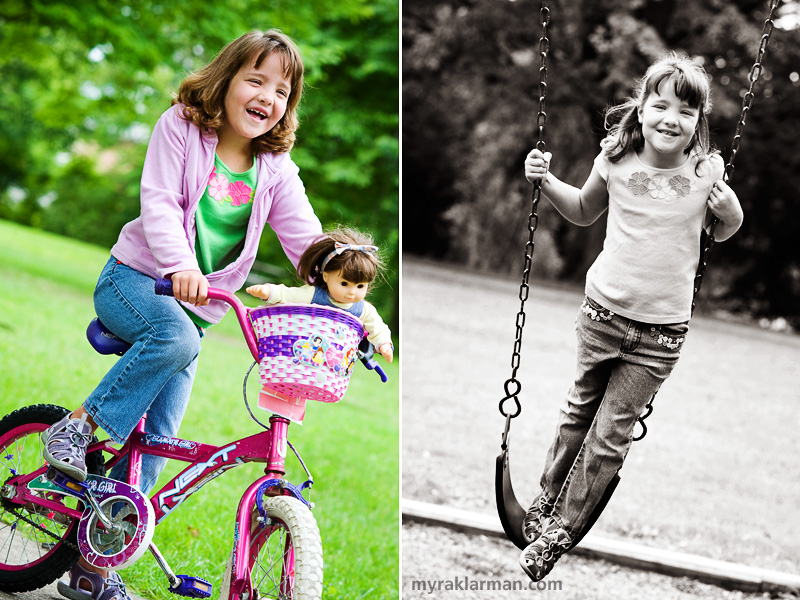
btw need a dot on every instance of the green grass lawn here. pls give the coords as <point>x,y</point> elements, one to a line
<point>351,447</point>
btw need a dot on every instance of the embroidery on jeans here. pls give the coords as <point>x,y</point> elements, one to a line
<point>673,343</point>
<point>596,315</point>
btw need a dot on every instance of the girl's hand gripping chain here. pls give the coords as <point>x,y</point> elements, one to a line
<point>725,205</point>
<point>537,165</point>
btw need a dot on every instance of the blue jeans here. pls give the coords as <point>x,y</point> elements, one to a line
<point>621,364</point>
<point>155,376</point>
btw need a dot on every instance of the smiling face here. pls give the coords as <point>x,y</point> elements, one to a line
<point>256,100</point>
<point>343,291</point>
<point>668,124</point>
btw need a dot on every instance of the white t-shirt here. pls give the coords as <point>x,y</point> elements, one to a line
<point>652,247</point>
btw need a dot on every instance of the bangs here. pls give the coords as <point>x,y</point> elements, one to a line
<point>688,87</point>
<point>356,267</point>
<point>288,64</point>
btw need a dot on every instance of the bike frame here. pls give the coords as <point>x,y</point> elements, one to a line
<point>207,462</point>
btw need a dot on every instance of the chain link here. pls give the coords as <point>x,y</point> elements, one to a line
<point>747,101</point>
<point>512,385</point>
<point>43,529</point>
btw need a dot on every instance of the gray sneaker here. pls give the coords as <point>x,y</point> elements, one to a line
<point>538,559</point>
<point>110,588</point>
<point>533,522</point>
<point>65,446</point>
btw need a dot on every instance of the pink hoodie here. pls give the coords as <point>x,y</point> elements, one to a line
<point>177,166</point>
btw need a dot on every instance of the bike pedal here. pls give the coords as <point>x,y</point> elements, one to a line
<point>194,587</point>
<point>65,481</point>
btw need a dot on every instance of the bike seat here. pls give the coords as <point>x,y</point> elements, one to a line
<point>103,340</point>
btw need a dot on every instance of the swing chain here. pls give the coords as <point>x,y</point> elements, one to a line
<point>512,385</point>
<point>747,101</point>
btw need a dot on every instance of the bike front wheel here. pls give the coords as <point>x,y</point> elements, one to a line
<point>285,553</point>
<point>36,545</point>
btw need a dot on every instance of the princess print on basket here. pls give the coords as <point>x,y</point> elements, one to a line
<point>309,335</point>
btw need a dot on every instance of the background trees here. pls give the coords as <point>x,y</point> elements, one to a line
<point>81,85</point>
<point>470,97</point>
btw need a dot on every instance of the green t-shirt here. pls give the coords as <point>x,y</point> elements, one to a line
<point>221,219</point>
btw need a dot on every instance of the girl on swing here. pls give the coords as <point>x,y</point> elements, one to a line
<point>660,180</point>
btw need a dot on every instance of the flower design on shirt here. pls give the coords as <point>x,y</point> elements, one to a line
<point>682,185</point>
<point>240,193</point>
<point>659,188</point>
<point>218,186</point>
<point>638,183</point>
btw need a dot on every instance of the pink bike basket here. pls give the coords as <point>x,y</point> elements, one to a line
<point>306,351</point>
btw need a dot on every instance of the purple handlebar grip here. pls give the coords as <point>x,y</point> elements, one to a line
<point>164,287</point>
<point>374,366</point>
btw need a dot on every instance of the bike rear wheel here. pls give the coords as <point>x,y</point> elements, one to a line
<point>36,546</point>
<point>285,554</point>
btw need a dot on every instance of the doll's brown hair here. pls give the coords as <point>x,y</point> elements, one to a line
<point>203,93</point>
<point>355,266</point>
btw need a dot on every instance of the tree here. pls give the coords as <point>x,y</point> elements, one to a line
<point>81,85</point>
<point>471,67</point>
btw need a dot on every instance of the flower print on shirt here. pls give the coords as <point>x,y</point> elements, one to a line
<point>683,186</point>
<point>240,193</point>
<point>222,190</point>
<point>660,187</point>
<point>638,183</point>
<point>218,186</point>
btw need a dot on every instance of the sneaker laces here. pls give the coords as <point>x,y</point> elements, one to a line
<point>114,582</point>
<point>80,440</point>
<point>75,432</point>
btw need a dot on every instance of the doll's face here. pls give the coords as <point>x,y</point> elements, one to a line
<point>343,291</point>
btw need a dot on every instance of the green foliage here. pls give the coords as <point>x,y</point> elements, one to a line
<point>470,100</point>
<point>81,85</point>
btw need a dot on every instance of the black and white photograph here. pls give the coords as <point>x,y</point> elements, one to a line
<point>601,282</point>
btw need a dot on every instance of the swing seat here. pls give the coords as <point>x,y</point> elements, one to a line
<point>512,513</point>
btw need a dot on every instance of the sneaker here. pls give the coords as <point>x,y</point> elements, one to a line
<point>100,588</point>
<point>65,446</point>
<point>532,524</point>
<point>538,559</point>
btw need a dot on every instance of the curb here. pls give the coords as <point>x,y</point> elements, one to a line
<point>717,572</point>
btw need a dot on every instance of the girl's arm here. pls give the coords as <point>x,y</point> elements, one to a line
<point>579,206</point>
<point>291,215</point>
<point>724,203</point>
<point>163,204</point>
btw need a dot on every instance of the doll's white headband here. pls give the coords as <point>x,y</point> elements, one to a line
<point>340,248</point>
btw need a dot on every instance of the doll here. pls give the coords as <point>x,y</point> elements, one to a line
<point>341,266</point>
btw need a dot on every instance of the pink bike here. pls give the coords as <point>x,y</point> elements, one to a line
<point>48,519</point>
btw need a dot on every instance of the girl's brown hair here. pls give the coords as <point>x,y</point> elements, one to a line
<point>203,93</point>
<point>355,266</point>
<point>691,84</point>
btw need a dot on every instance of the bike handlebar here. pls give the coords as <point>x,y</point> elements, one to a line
<point>164,288</point>
<point>366,349</point>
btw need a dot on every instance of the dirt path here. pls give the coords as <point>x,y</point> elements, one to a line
<point>716,473</point>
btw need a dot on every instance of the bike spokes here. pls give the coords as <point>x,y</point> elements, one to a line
<point>272,556</point>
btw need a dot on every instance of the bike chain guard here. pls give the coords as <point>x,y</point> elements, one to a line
<point>117,524</point>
